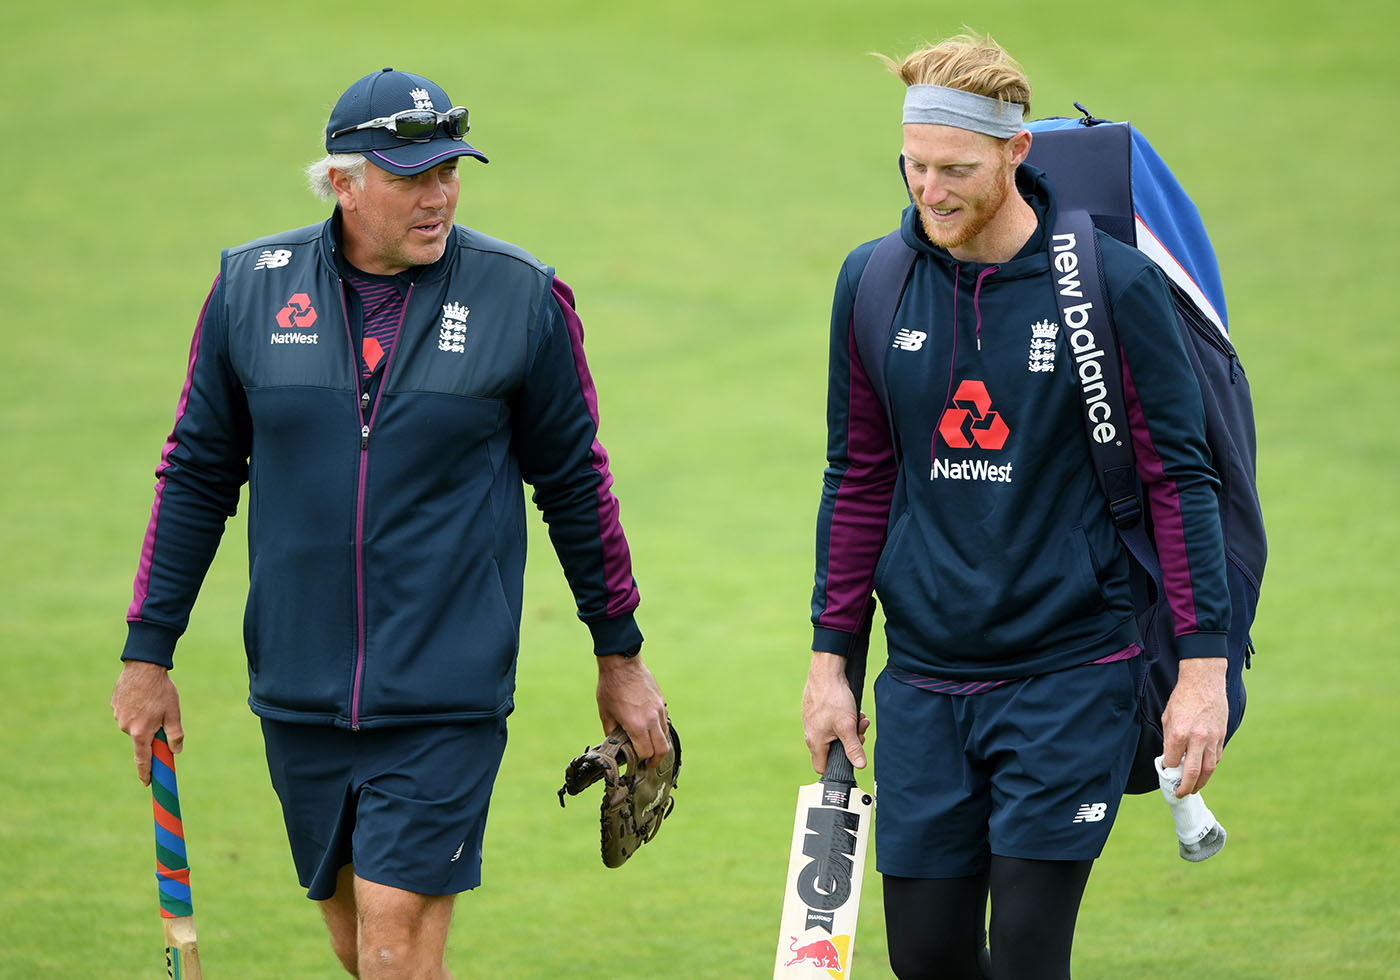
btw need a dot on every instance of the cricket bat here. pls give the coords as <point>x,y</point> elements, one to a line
<point>817,936</point>
<point>172,867</point>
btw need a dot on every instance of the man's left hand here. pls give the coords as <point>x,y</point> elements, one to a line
<point>1194,722</point>
<point>629,696</point>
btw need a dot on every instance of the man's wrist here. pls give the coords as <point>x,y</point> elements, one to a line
<point>827,664</point>
<point>1206,668</point>
<point>631,653</point>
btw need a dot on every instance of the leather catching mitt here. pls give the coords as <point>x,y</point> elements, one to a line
<point>635,799</point>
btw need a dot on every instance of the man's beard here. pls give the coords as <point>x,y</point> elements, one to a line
<point>977,214</point>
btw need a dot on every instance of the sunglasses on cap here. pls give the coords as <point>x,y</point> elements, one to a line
<point>418,125</point>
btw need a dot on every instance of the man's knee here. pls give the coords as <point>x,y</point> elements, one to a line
<point>951,958</point>
<point>398,929</point>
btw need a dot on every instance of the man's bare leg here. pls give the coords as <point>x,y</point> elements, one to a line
<point>384,933</point>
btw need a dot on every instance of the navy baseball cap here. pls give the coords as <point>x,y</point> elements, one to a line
<point>378,97</point>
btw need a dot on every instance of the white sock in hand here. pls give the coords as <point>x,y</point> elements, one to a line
<point>1199,834</point>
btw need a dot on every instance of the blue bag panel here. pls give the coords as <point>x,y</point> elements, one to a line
<point>1168,225</point>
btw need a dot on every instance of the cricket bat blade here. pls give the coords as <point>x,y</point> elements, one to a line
<point>825,869</point>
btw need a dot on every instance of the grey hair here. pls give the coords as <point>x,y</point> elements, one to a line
<point>318,174</point>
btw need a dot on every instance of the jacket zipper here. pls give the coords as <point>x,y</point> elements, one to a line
<point>360,491</point>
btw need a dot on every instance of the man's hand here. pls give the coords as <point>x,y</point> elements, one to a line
<point>629,696</point>
<point>829,712</point>
<point>1194,722</point>
<point>143,702</point>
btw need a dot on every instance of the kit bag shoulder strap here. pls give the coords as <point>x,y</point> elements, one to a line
<point>1086,323</point>
<point>878,295</point>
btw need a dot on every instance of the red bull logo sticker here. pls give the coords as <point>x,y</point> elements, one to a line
<point>832,954</point>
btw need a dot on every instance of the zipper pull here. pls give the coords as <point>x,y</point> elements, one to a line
<point>364,403</point>
<point>364,437</point>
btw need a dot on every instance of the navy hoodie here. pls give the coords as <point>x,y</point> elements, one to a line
<point>980,523</point>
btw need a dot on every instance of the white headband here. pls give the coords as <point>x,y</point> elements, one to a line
<point>942,106</point>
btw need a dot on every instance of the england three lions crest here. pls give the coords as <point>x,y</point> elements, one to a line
<point>1042,352</point>
<point>452,334</point>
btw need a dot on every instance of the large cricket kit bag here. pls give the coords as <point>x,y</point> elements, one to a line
<point>1106,175</point>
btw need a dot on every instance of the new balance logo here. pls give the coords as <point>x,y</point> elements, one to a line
<point>909,339</point>
<point>1087,351</point>
<point>1091,812</point>
<point>270,258</point>
<point>459,850</point>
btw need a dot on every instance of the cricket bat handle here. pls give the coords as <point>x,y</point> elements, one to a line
<point>838,767</point>
<point>172,867</point>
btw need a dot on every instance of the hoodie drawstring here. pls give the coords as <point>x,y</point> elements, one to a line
<point>953,363</point>
<point>976,300</point>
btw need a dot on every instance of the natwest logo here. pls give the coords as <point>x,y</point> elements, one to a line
<point>297,316</point>
<point>298,313</point>
<point>971,422</point>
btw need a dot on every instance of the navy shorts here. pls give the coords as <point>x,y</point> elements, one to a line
<point>406,806</point>
<point>1032,769</point>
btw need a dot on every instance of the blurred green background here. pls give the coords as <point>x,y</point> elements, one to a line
<point>696,172</point>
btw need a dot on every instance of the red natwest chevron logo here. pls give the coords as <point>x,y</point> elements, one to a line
<point>297,313</point>
<point>971,421</point>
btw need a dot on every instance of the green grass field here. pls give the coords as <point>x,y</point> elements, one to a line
<point>696,172</point>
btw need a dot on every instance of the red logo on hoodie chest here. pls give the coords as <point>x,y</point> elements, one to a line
<point>971,421</point>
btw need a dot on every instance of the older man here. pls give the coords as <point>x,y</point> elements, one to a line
<point>384,381</point>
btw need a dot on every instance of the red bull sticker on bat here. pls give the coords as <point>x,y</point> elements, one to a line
<point>831,954</point>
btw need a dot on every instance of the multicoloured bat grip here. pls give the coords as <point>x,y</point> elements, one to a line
<point>172,865</point>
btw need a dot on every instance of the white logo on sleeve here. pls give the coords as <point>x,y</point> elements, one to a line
<point>459,850</point>
<point>270,258</point>
<point>909,339</point>
<point>1091,812</point>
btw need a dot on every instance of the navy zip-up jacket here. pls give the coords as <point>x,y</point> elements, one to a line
<point>979,521</point>
<point>386,530</point>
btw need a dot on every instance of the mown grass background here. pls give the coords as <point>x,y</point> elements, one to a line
<point>696,172</point>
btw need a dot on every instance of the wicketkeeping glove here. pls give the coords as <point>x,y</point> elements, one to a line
<point>635,799</point>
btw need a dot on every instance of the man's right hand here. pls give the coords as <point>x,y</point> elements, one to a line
<point>829,712</point>
<point>143,702</point>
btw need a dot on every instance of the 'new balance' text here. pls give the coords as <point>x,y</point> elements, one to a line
<point>1087,351</point>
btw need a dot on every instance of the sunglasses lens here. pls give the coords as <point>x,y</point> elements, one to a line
<point>456,122</point>
<point>415,125</point>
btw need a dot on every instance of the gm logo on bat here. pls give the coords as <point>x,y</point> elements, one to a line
<point>825,883</point>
